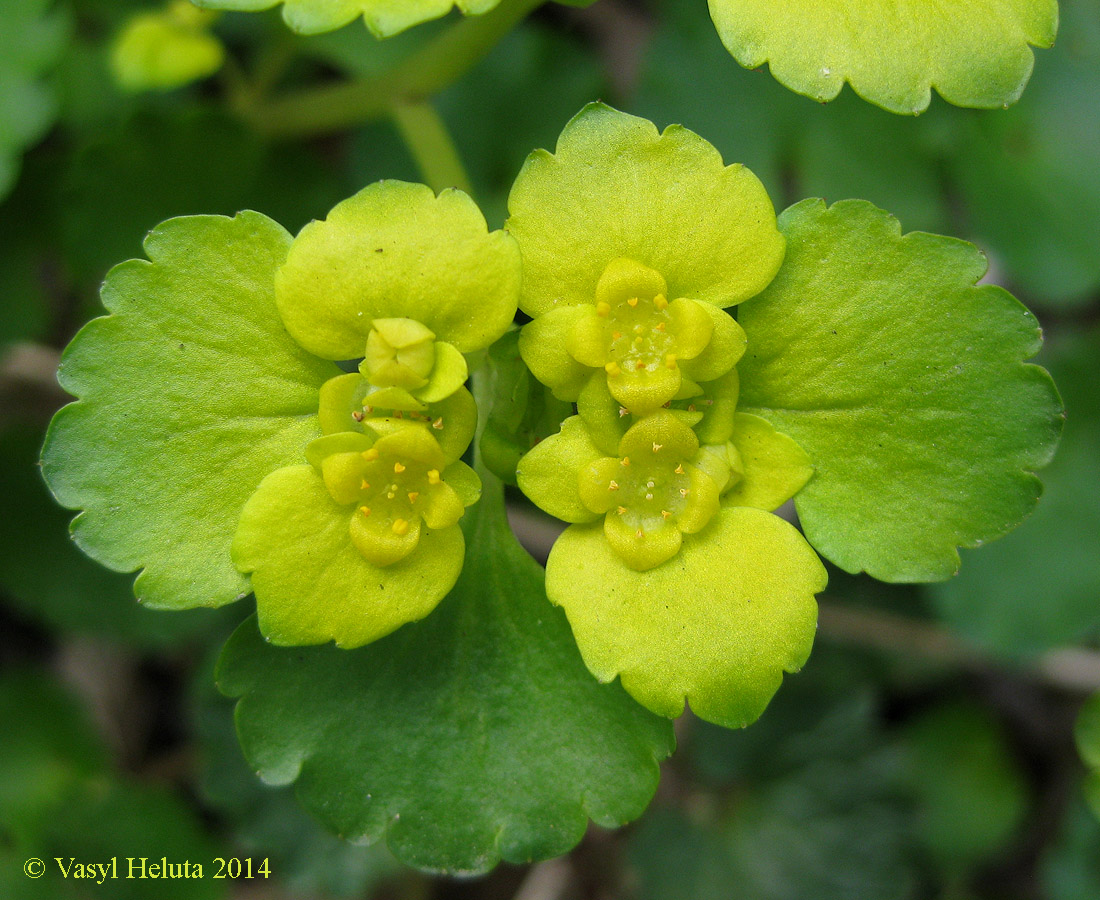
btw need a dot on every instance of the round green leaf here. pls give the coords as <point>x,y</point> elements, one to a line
<point>993,601</point>
<point>904,383</point>
<point>892,52</point>
<point>616,188</point>
<point>473,736</point>
<point>396,250</point>
<point>190,393</point>
<point>718,636</point>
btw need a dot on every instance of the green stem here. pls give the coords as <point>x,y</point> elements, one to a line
<point>412,81</point>
<point>426,136</point>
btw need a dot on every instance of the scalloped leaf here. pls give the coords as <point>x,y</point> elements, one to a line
<point>993,599</point>
<point>904,383</point>
<point>892,52</point>
<point>31,41</point>
<point>190,393</point>
<point>383,17</point>
<point>473,736</point>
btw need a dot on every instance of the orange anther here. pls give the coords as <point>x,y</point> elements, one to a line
<point>665,514</point>
<point>365,510</point>
<point>364,485</point>
<point>413,495</point>
<point>398,468</point>
<point>657,447</point>
<point>679,469</point>
<point>625,461</point>
<point>632,302</point>
<point>438,424</point>
<point>613,485</point>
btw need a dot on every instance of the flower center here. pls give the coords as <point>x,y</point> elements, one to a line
<point>637,330</point>
<point>650,492</point>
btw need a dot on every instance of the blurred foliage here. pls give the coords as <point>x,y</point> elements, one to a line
<point>874,775</point>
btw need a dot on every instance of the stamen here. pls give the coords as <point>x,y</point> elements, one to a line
<point>400,527</point>
<point>364,485</point>
<point>621,510</point>
<point>684,492</point>
<point>632,302</point>
<point>649,496</point>
<point>398,414</point>
<point>398,468</point>
<point>413,495</point>
<point>438,424</point>
<point>616,335</point>
<point>369,409</point>
<point>657,447</point>
<point>660,326</point>
<point>365,510</point>
<point>639,365</point>
<point>679,470</point>
<point>639,534</point>
<point>625,461</point>
<point>358,416</point>
<point>623,411</point>
<point>433,476</point>
<point>665,514</point>
<point>613,485</point>
<point>649,484</point>
<point>691,407</point>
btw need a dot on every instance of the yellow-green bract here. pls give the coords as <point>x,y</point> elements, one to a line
<point>866,376</point>
<point>217,446</point>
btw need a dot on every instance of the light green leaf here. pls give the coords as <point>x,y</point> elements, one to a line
<point>1038,587</point>
<point>473,736</point>
<point>166,48</point>
<point>396,250</point>
<point>718,636</point>
<point>903,383</point>
<point>615,188</point>
<point>892,52</point>
<point>382,17</point>
<point>313,584</point>
<point>32,39</point>
<point>190,393</point>
<point>49,580</point>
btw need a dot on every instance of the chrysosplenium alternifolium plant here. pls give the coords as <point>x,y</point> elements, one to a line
<point>218,446</point>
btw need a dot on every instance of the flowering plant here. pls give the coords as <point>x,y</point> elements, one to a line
<point>288,417</point>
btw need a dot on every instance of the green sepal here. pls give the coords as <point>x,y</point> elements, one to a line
<point>313,584</point>
<point>973,54</point>
<point>191,391</point>
<point>499,748</point>
<point>904,382</point>
<point>615,188</point>
<point>716,636</point>
<point>396,250</point>
<point>725,347</point>
<point>452,420</point>
<point>523,411</point>
<point>773,467</point>
<point>384,18</point>
<point>604,418</point>
<point>544,346</point>
<point>548,474</point>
